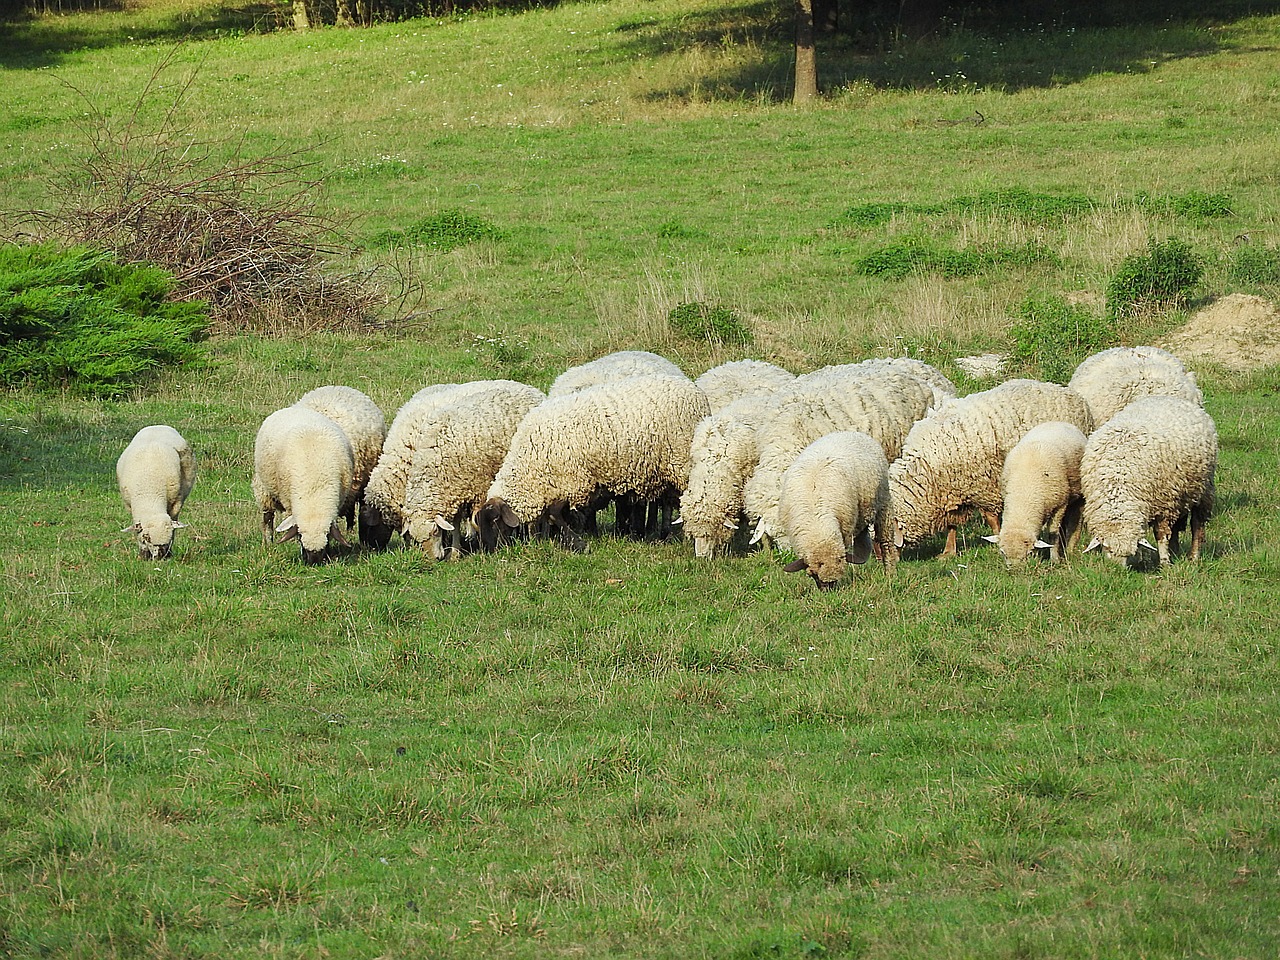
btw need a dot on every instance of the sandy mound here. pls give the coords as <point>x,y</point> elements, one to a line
<point>1238,331</point>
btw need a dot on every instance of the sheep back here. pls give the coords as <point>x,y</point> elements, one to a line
<point>741,378</point>
<point>611,367</point>
<point>1111,379</point>
<point>359,417</point>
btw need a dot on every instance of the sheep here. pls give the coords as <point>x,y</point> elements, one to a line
<point>952,459</point>
<point>155,474</point>
<point>722,457</point>
<point>364,424</point>
<point>1152,464</point>
<point>627,439</point>
<point>1040,487</point>
<point>303,465</point>
<point>382,512</point>
<point>832,496</point>
<point>884,403</point>
<point>611,367</point>
<point>1110,379</point>
<point>943,389</point>
<point>741,378</point>
<point>457,454</point>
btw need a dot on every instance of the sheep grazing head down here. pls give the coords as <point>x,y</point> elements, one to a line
<point>315,549</point>
<point>155,540</point>
<point>374,531</point>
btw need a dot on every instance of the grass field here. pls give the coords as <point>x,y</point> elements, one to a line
<point>629,752</point>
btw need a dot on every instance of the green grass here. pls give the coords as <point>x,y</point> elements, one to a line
<point>628,752</point>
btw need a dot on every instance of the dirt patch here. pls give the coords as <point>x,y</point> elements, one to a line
<point>1238,331</point>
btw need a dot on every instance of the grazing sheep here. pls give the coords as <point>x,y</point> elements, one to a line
<point>611,367</point>
<point>742,378</point>
<point>1111,379</point>
<point>943,389</point>
<point>626,439</point>
<point>722,457</point>
<point>382,512</point>
<point>364,424</point>
<point>834,492</point>
<point>1152,464</point>
<point>303,465</point>
<point>1040,486</point>
<point>457,453</point>
<point>883,403</point>
<point>952,459</point>
<point>155,473</point>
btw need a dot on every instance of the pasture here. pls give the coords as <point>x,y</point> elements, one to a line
<point>630,752</point>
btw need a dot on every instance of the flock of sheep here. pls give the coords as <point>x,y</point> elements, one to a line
<point>834,465</point>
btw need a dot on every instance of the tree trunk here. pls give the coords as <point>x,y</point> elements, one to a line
<point>301,19</point>
<point>806,58</point>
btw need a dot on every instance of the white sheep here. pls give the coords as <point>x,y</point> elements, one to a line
<point>1040,486</point>
<point>833,495</point>
<point>611,367</point>
<point>952,459</point>
<point>882,402</point>
<point>626,439</point>
<point>303,465</point>
<point>722,457</point>
<point>155,474</point>
<point>1152,464</point>
<point>943,389</point>
<point>457,453</point>
<point>742,378</point>
<point>1111,379</point>
<point>364,424</point>
<point>382,512</point>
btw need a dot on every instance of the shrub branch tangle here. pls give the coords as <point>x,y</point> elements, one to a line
<point>241,234</point>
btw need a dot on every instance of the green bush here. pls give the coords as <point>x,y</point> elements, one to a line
<point>1165,274</point>
<point>703,321</point>
<point>1255,264</point>
<point>79,320</point>
<point>444,232</point>
<point>1053,336</point>
<point>913,255</point>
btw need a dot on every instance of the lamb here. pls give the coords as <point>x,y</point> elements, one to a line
<point>722,458</point>
<point>155,473</point>
<point>303,465</point>
<point>884,404</point>
<point>952,460</point>
<point>742,378</point>
<point>626,439</point>
<point>362,421</point>
<point>1152,464</point>
<point>834,491</point>
<point>1040,487</point>
<point>457,453</point>
<point>611,367</point>
<point>1111,379</point>
<point>382,512</point>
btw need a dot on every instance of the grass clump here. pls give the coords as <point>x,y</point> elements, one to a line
<point>1164,275</point>
<point>79,320</point>
<point>442,232</point>
<point>1053,336</point>
<point>709,322</point>
<point>1194,205</point>
<point>915,255</point>
<point>1256,264</point>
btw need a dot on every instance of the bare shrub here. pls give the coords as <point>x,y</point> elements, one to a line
<point>242,233</point>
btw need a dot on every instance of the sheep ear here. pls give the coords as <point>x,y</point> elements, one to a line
<point>795,566</point>
<point>443,524</point>
<point>730,526</point>
<point>179,526</point>
<point>1093,546</point>
<point>509,516</point>
<point>898,538</point>
<point>132,528</point>
<point>759,533</point>
<point>286,523</point>
<point>1041,545</point>
<point>992,538</point>
<point>336,534</point>
<point>1147,545</point>
<point>291,534</point>
<point>677,521</point>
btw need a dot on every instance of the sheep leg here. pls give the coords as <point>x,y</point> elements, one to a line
<point>950,549</point>
<point>268,524</point>
<point>1164,532</point>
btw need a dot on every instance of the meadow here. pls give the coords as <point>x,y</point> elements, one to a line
<point>630,752</point>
